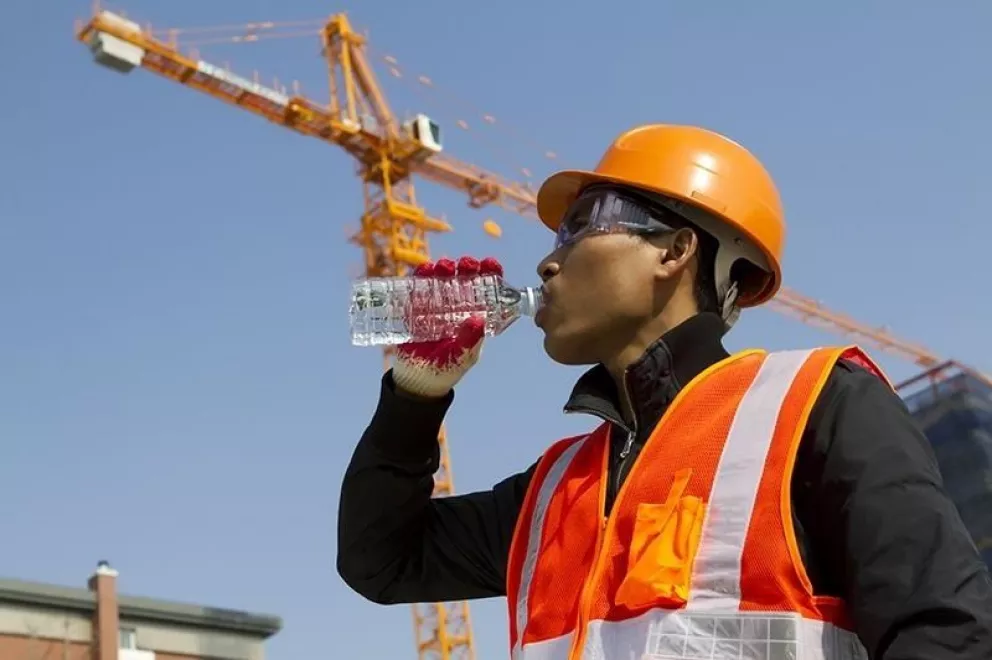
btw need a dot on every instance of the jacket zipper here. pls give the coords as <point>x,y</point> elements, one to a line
<point>627,447</point>
<point>618,470</point>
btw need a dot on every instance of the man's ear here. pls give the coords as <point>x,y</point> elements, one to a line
<point>675,258</point>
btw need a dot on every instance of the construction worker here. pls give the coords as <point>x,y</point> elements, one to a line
<point>755,505</point>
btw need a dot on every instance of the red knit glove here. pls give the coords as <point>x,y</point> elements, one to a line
<point>431,369</point>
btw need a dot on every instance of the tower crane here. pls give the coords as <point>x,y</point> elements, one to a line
<point>394,228</point>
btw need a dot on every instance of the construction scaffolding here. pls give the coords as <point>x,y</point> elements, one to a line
<point>953,406</point>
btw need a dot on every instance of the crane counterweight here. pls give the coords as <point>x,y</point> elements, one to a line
<point>113,52</point>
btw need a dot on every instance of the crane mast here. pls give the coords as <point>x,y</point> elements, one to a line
<point>394,228</point>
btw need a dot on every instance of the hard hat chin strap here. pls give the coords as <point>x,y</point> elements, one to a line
<point>727,289</point>
<point>730,311</point>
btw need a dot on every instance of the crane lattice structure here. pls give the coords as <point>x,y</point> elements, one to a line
<point>394,228</point>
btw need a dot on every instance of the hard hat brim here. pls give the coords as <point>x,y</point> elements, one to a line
<point>559,190</point>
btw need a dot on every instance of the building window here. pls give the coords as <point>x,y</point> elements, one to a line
<point>128,638</point>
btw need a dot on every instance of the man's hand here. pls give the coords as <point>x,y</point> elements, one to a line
<point>431,369</point>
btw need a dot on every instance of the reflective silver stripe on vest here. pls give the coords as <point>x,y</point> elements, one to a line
<point>684,635</point>
<point>716,573</point>
<point>536,531</point>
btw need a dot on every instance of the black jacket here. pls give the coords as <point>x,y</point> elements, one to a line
<point>874,523</point>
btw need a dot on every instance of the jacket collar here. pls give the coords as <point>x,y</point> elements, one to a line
<point>655,378</point>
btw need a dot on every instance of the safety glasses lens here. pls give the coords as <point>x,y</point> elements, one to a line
<point>606,212</point>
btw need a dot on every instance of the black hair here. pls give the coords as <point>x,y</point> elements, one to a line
<point>704,288</point>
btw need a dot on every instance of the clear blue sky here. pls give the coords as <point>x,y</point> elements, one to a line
<point>177,391</point>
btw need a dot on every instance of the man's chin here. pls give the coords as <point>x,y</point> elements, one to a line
<point>565,352</point>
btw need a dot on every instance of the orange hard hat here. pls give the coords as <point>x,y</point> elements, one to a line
<point>720,185</point>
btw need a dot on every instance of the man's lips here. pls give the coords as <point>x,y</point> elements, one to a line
<point>546,299</point>
<point>539,318</point>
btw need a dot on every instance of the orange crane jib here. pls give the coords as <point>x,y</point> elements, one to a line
<point>394,228</point>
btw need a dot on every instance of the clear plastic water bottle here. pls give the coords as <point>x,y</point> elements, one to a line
<point>396,310</point>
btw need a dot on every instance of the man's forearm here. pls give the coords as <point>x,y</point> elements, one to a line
<point>397,544</point>
<point>385,495</point>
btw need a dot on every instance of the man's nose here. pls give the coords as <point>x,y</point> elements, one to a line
<point>548,268</point>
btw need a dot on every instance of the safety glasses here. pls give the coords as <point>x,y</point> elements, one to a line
<point>606,210</point>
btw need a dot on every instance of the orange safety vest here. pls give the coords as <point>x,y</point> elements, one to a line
<point>698,557</point>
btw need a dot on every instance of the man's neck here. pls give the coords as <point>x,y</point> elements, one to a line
<point>655,378</point>
<point>617,365</point>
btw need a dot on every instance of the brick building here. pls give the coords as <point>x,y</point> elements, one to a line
<point>47,622</point>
